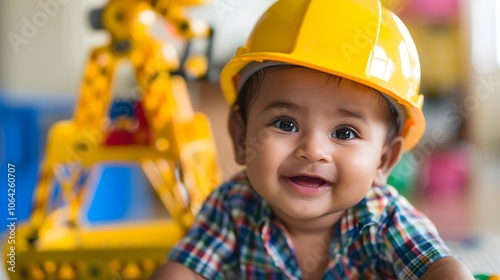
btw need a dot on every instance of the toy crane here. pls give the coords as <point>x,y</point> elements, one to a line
<point>171,143</point>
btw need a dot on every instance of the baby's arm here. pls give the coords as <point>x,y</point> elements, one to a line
<point>413,247</point>
<point>175,271</point>
<point>447,268</point>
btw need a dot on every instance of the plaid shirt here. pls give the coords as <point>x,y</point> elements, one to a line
<point>236,236</point>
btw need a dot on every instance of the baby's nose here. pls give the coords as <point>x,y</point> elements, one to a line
<point>314,147</point>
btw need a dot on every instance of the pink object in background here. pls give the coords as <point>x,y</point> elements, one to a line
<point>432,9</point>
<point>447,171</point>
<point>445,178</point>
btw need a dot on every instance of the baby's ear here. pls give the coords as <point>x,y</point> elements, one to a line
<point>237,131</point>
<point>391,154</point>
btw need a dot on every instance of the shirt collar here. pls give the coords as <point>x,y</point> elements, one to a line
<point>357,219</point>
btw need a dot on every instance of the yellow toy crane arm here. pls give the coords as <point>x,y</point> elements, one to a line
<point>165,101</point>
<point>173,11</point>
<point>167,108</point>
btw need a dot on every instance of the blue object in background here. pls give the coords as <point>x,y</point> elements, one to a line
<point>19,147</point>
<point>119,193</point>
<point>23,132</point>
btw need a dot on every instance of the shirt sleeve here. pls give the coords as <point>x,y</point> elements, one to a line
<point>209,245</point>
<point>411,240</point>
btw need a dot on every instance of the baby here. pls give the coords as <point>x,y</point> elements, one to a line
<point>324,101</point>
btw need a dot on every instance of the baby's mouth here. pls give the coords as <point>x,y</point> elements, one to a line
<point>307,181</point>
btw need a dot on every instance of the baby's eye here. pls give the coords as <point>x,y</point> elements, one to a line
<point>285,124</point>
<point>344,134</point>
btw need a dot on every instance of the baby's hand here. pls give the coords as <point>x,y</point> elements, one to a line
<point>448,268</point>
<point>175,271</point>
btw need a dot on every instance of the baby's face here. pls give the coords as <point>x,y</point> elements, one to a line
<point>314,146</point>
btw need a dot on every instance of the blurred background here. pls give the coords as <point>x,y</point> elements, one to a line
<point>453,175</point>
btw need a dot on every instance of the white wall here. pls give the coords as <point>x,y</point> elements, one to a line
<point>483,102</point>
<point>44,43</point>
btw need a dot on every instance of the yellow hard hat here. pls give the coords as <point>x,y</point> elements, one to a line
<point>355,39</point>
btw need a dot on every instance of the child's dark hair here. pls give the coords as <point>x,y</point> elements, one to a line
<point>251,87</point>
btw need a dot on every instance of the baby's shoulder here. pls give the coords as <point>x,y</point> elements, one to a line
<point>237,188</point>
<point>381,197</point>
<point>238,196</point>
<point>385,202</point>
